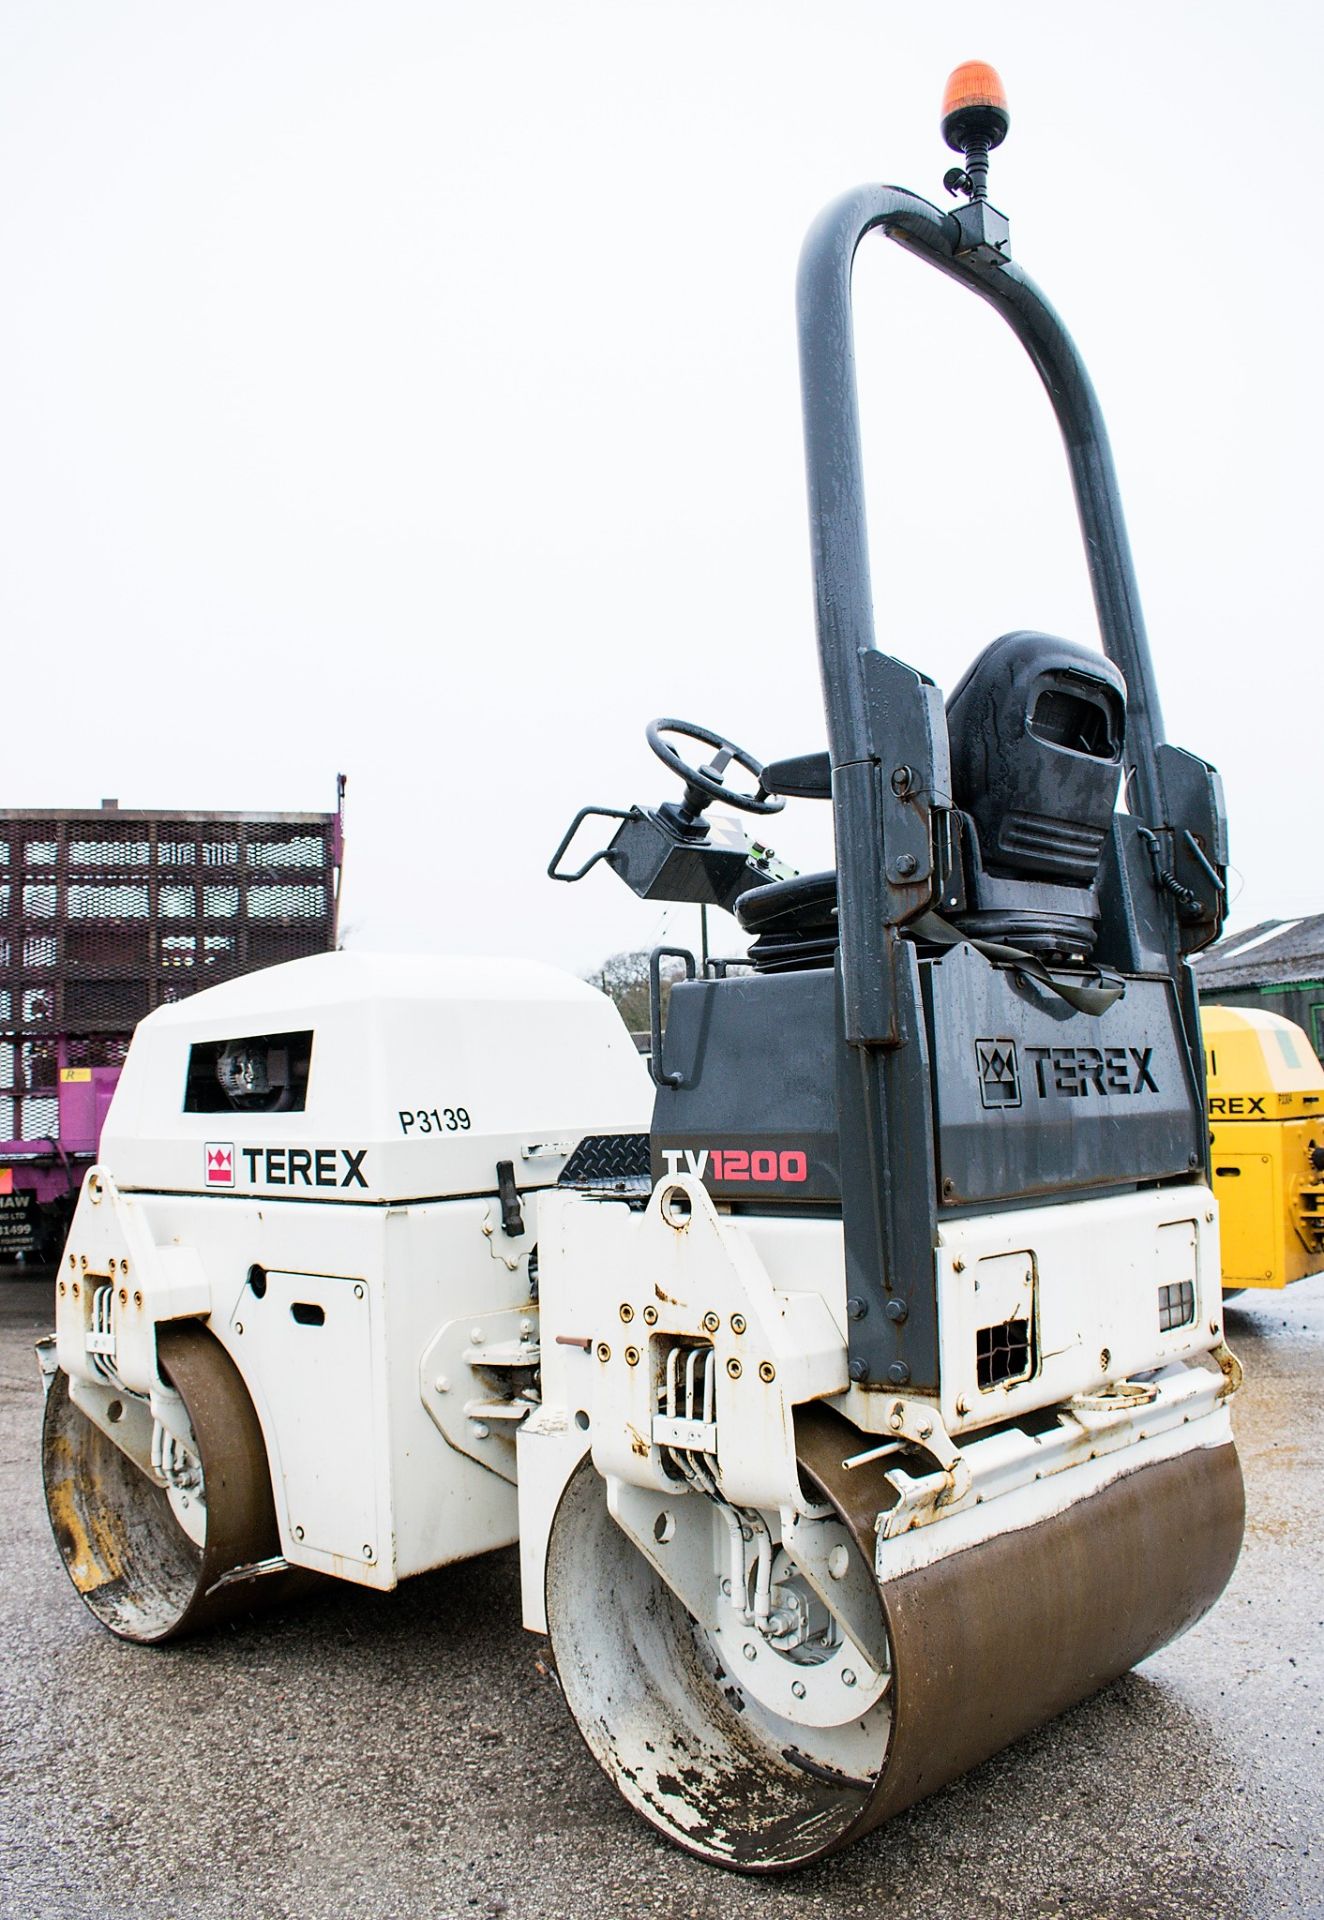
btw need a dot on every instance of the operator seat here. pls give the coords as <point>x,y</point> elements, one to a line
<point>1036,728</point>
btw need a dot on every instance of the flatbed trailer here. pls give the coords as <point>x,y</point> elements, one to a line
<point>106,914</point>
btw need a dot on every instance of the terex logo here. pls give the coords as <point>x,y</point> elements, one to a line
<point>218,1156</point>
<point>1076,1072</point>
<point>1234,1103</point>
<point>739,1163</point>
<point>305,1166</point>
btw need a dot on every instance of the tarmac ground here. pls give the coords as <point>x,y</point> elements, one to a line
<point>408,1754</point>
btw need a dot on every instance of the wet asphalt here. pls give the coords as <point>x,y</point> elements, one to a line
<point>390,1756</point>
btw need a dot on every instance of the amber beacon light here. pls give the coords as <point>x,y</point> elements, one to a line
<point>974,121</point>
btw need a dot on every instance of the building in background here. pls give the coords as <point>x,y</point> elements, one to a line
<point>1277,966</point>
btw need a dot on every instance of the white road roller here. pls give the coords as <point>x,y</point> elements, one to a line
<point>874,1406</point>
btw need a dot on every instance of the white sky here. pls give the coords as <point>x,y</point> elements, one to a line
<point>411,389</point>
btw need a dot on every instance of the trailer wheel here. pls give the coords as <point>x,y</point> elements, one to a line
<point>149,1560</point>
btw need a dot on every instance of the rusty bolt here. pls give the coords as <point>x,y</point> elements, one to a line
<point>238,1326</point>
<point>124,1296</point>
<point>1213,1327</point>
<point>711,1322</point>
<point>627,1312</point>
<point>604,1351</point>
<point>906,865</point>
<point>111,1267</point>
<point>77,1290</point>
<point>650,1316</point>
<point>734,1368</point>
<point>632,1356</point>
<point>963,1405</point>
<point>958,1266</point>
<point>62,1285</point>
<point>82,1261</point>
<point>1105,1358</point>
<point>902,781</point>
<point>124,1266</point>
<point>948,1188</point>
<point>767,1372</point>
<point>738,1323</point>
<point>72,1261</point>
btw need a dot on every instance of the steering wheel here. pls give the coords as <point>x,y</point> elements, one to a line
<point>703,784</point>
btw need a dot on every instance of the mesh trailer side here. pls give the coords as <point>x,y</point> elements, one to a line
<point>106,915</point>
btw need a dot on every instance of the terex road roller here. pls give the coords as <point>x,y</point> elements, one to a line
<point>860,1407</point>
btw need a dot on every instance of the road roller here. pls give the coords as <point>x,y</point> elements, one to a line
<point>1266,1131</point>
<point>888,1417</point>
<point>853,1374</point>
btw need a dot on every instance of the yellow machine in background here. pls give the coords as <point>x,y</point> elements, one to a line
<point>1266,1116</point>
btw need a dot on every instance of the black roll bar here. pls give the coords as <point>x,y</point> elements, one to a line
<point>838,531</point>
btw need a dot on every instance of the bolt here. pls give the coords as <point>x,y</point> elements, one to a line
<point>62,1285</point>
<point>848,1677</point>
<point>475,1336</point>
<point>82,1261</point>
<point>1105,1359</point>
<point>137,1299</point>
<point>738,1323</point>
<point>839,1561</point>
<point>856,1308</point>
<point>906,865</point>
<point>963,1405</point>
<point>711,1322</point>
<point>124,1266</point>
<point>481,1430</point>
<point>1213,1327</point>
<point>238,1326</point>
<point>650,1316</point>
<point>358,1293</point>
<point>767,1372</point>
<point>298,1533</point>
<point>604,1351</point>
<point>898,1373</point>
<point>750,1652</point>
<point>858,1370</point>
<point>526,1328</point>
<point>1209,1218</point>
<point>798,1689</point>
<point>897,1310</point>
<point>632,1356</point>
<point>896,1419</point>
<point>627,1312</point>
<point>734,1368</point>
<point>72,1261</point>
<point>726,1589</point>
<point>442,1384</point>
<point>902,781</point>
<point>124,1296</point>
<point>77,1290</point>
<point>368,1553</point>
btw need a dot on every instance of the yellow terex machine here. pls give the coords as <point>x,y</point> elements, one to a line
<point>1266,1120</point>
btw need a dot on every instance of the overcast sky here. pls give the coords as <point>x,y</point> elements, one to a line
<point>411,390</point>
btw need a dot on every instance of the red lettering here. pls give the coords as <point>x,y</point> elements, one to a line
<point>794,1165</point>
<point>735,1162</point>
<point>763,1164</point>
<point>715,1162</point>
